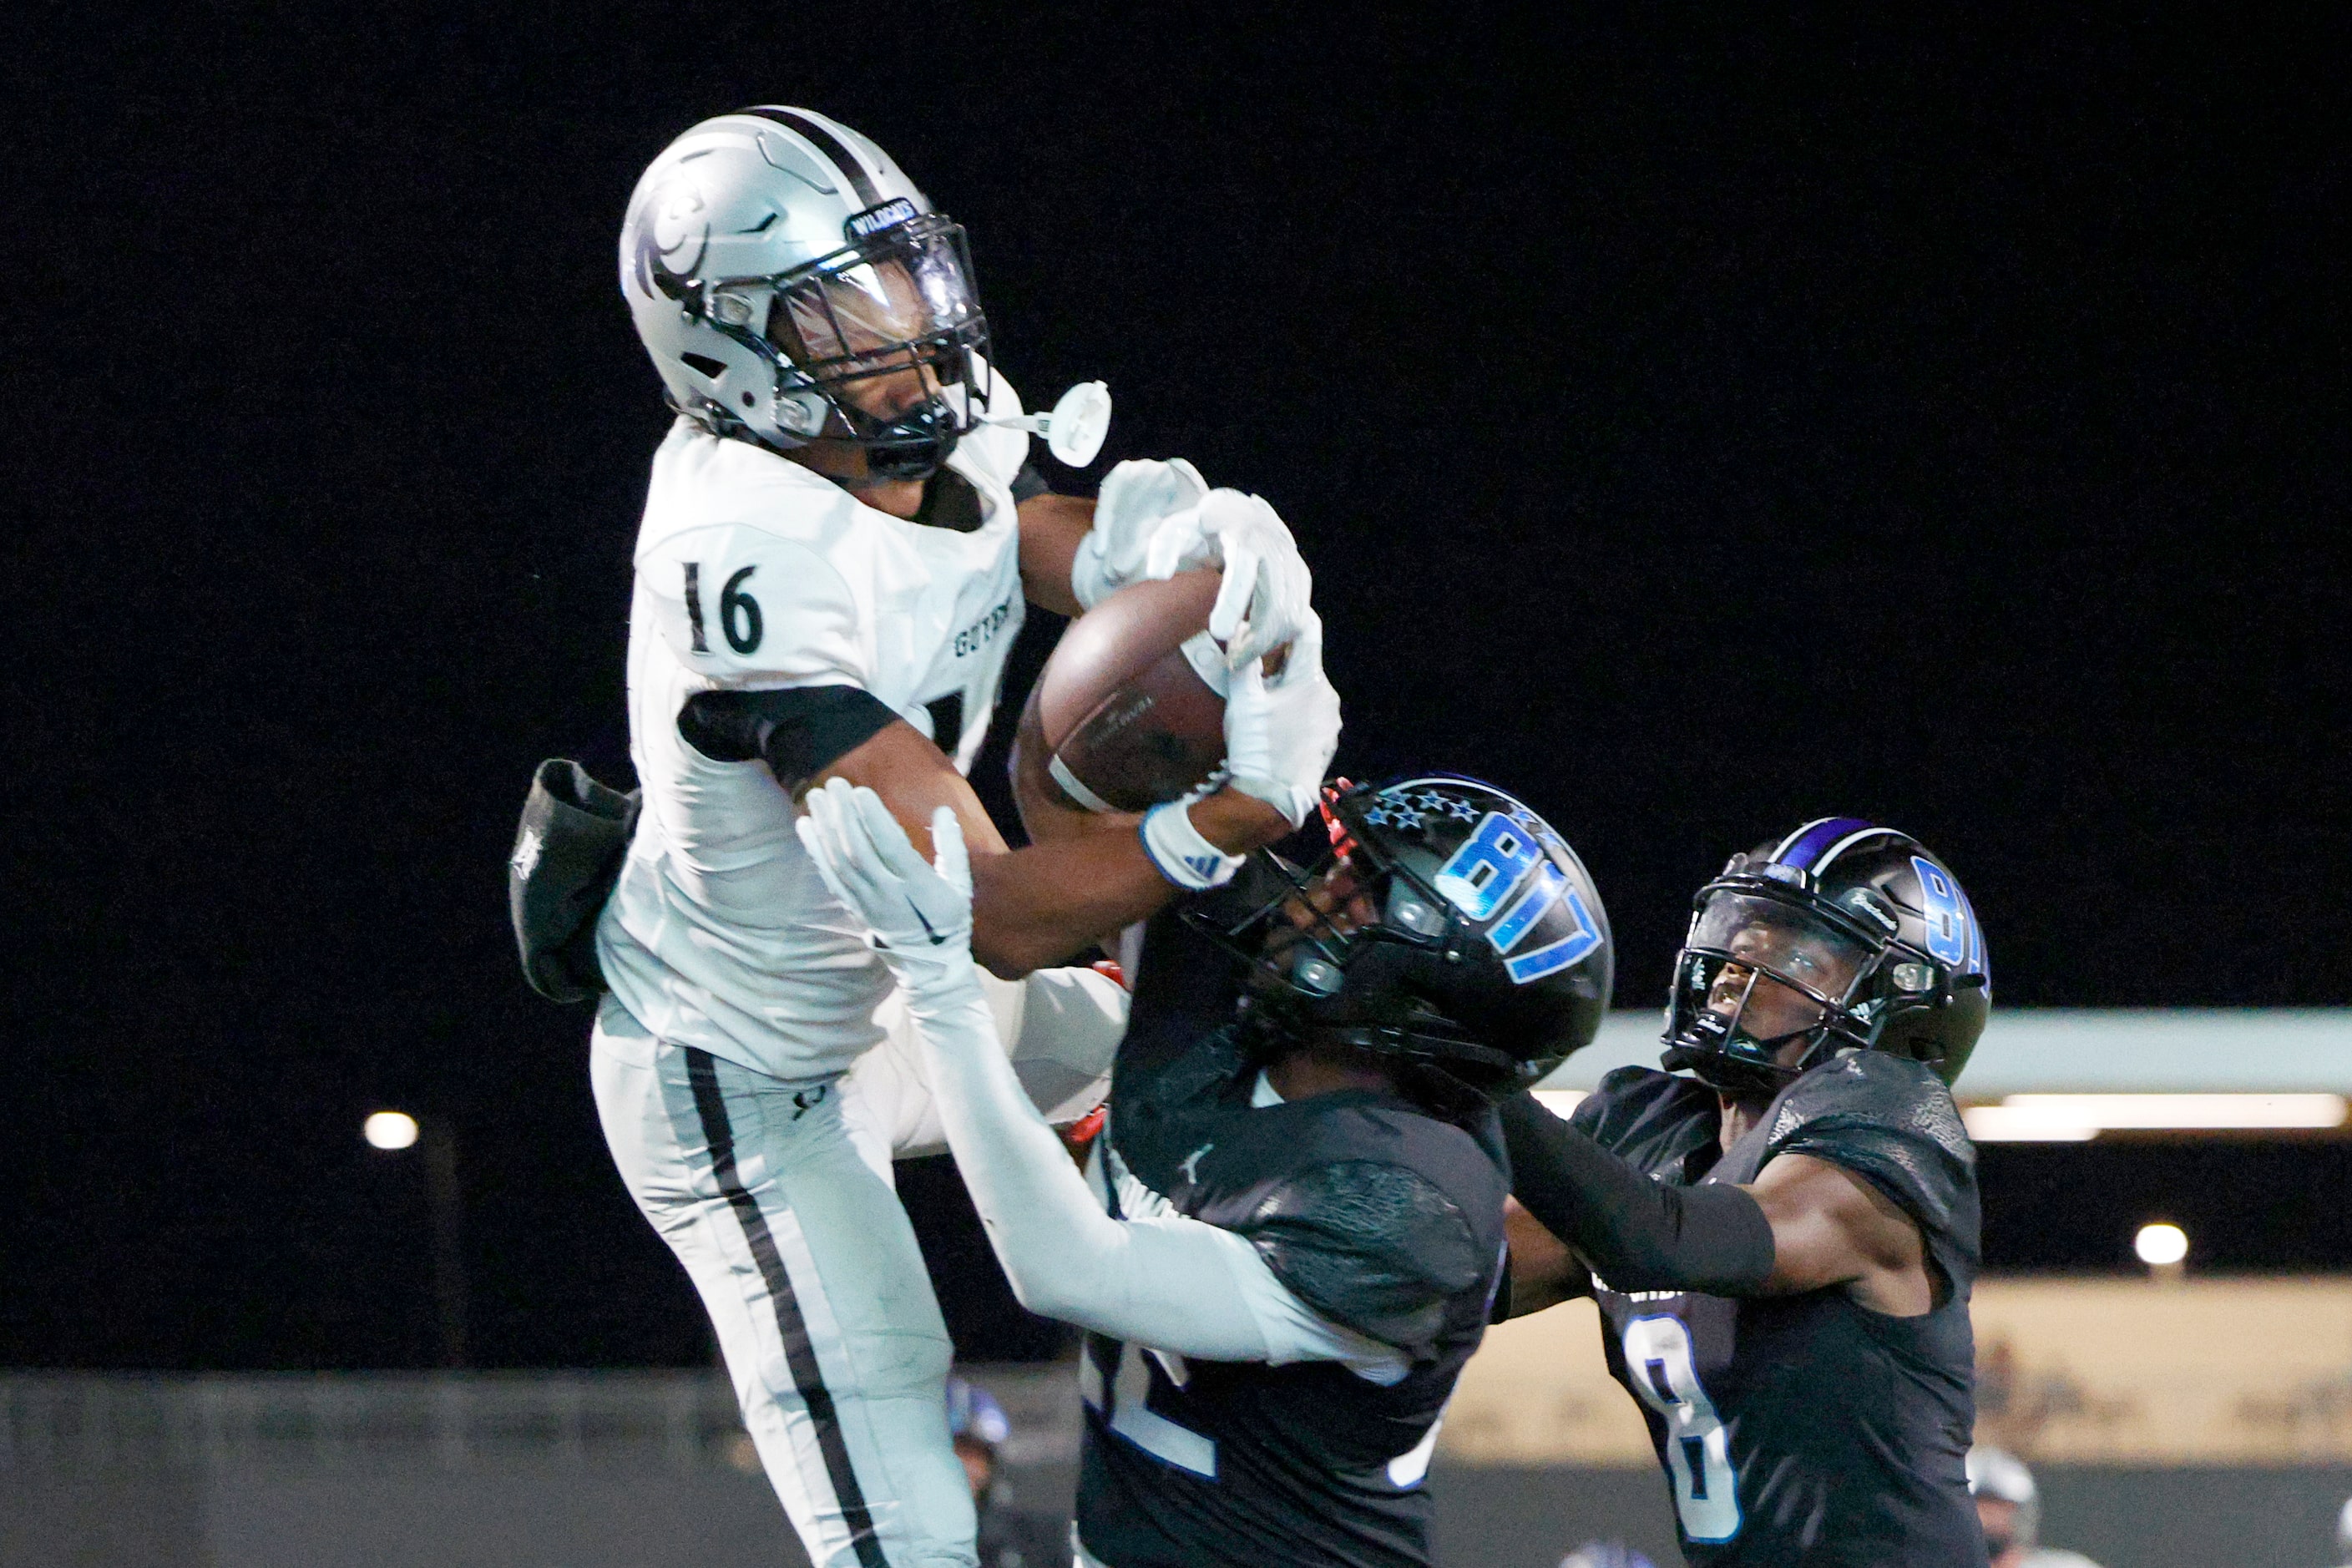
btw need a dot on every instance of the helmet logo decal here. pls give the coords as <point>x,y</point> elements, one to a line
<point>1499,857</point>
<point>874,219</point>
<point>672,239</point>
<point>1948,916</point>
<point>1568,950</point>
<point>1489,867</point>
<point>1504,933</point>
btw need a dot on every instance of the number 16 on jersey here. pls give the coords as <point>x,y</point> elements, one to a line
<point>1699,1451</point>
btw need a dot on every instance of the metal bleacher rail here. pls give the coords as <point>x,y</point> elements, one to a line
<point>83,1422</point>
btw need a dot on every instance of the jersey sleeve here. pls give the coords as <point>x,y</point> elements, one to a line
<point>1653,1119</point>
<point>755,612</point>
<point>1374,1247</point>
<point>1891,1122</point>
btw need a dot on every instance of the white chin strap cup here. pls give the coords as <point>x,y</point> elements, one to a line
<point>1074,431</point>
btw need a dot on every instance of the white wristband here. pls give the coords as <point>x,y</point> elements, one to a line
<point>1181,854</point>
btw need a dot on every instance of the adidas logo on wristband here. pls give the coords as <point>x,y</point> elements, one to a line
<point>1180,853</point>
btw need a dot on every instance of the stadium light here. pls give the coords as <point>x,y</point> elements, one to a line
<point>2074,1118</point>
<point>2161,1245</point>
<point>389,1129</point>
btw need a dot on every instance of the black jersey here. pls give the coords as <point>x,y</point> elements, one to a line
<point>1808,1429</point>
<point>1382,1219</point>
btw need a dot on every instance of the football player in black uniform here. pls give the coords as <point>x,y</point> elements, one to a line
<point>1782,1243</point>
<point>1289,1236</point>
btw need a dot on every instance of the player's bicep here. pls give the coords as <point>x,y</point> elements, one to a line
<point>1051,529</point>
<point>914,779</point>
<point>799,731</point>
<point>1829,1227</point>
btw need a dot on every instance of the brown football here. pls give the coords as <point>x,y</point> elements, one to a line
<point>1117,720</point>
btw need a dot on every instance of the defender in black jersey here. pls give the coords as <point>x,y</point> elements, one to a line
<point>1291,1231</point>
<point>1783,1244</point>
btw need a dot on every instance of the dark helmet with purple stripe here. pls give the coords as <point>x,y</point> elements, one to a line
<point>1844,935</point>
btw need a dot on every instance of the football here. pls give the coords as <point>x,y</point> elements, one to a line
<point>1118,720</point>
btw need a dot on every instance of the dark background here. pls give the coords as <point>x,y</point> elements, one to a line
<point>1698,425</point>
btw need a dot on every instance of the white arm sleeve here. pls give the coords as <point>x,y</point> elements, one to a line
<point>1061,1026</point>
<point>1170,1282</point>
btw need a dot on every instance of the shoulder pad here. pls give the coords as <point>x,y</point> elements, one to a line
<point>1652,1118</point>
<point>1873,1089</point>
<point>1375,1246</point>
<point>1892,1121</point>
<point>746,608</point>
<point>994,450</point>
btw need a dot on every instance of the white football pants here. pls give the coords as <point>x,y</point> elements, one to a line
<point>777,1198</point>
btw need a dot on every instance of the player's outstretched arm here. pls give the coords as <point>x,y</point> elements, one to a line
<point>1637,1234</point>
<point>1804,1224</point>
<point>1035,906</point>
<point>1543,1270</point>
<point>1172,1283</point>
<point>1053,530</point>
<point>1829,1227</point>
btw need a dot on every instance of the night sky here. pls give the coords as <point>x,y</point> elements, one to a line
<point>1695,427</point>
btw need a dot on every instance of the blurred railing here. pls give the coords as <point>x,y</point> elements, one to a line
<point>675,1421</point>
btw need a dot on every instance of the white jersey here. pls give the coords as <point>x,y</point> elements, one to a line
<point>754,574</point>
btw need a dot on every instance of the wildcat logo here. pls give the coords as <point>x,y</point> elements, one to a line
<point>673,237</point>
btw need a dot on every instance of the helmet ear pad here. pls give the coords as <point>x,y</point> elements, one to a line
<point>1942,1037</point>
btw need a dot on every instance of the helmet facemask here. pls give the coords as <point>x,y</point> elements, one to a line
<point>1357,954</point>
<point>900,303</point>
<point>1762,971</point>
<point>1344,916</point>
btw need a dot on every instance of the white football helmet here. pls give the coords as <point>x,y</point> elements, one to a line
<point>774,258</point>
<point>2002,1476</point>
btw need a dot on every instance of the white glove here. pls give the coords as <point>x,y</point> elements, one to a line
<point>1137,497</point>
<point>918,917</point>
<point>1264,602</point>
<point>1280,733</point>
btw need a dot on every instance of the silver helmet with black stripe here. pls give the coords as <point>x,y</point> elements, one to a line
<point>790,282</point>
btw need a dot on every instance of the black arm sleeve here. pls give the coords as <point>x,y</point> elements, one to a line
<point>1638,1233</point>
<point>800,731</point>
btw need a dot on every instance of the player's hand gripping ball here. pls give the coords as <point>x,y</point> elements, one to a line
<point>1143,702</point>
<point>1121,717</point>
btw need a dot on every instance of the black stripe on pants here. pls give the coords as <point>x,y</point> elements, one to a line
<point>800,1357</point>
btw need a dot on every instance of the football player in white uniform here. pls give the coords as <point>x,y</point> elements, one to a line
<point>837,543</point>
